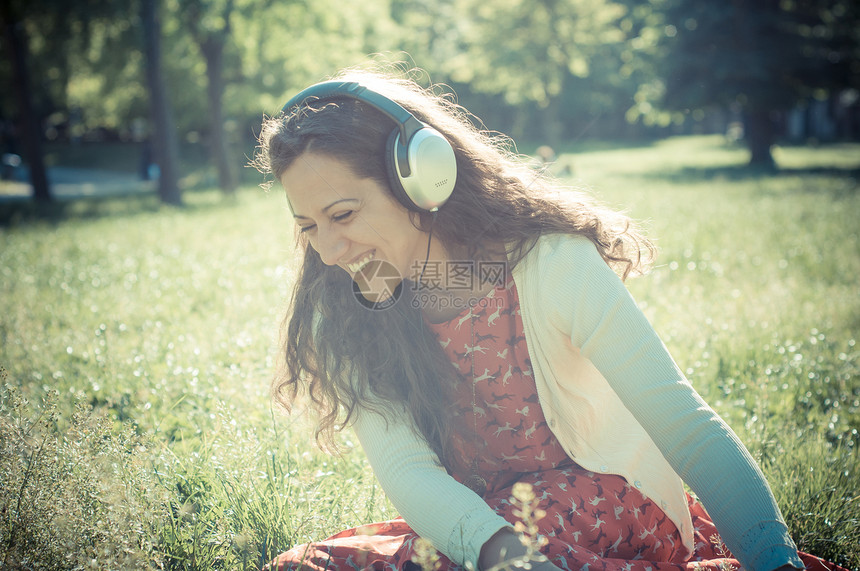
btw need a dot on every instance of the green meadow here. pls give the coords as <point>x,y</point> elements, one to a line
<point>137,344</point>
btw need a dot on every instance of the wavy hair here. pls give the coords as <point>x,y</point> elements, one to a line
<point>343,356</point>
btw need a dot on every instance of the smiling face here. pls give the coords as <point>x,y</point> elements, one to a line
<point>351,221</point>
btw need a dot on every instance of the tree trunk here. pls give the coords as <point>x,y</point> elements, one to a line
<point>213,52</point>
<point>165,145</point>
<point>29,124</point>
<point>760,134</point>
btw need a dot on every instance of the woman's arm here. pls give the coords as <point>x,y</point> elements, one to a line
<point>604,321</point>
<point>453,518</point>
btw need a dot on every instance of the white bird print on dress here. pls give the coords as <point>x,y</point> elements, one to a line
<point>648,532</point>
<point>506,427</point>
<point>596,500</point>
<point>476,348</point>
<point>485,376</point>
<point>508,374</point>
<point>670,539</point>
<point>614,547</point>
<point>463,320</point>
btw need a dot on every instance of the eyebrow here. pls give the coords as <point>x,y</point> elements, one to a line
<point>336,202</point>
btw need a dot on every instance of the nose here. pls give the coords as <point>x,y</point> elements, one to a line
<point>330,244</point>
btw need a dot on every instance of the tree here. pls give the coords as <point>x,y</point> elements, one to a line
<point>210,27</point>
<point>41,39</point>
<point>15,43</point>
<point>107,83</point>
<point>761,57</point>
<point>165,144</point>
<point>532,51</point>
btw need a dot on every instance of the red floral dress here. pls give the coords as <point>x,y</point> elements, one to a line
<point>595,522</point>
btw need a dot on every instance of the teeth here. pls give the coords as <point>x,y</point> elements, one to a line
<point>356,267</point>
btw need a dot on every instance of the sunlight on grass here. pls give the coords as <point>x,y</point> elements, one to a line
<point>155,329</point>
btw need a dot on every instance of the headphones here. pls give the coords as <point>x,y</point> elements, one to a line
<point>419,161</point>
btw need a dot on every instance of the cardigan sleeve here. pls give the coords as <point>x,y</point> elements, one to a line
<point>438,508</point>
<point>606,324</point>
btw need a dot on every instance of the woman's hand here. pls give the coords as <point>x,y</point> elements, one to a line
<point>505,546</point>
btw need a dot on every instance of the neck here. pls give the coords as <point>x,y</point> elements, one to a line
<point>449,282</point>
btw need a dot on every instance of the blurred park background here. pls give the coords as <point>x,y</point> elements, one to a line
<point>143,271</point>
<point>173,90</point>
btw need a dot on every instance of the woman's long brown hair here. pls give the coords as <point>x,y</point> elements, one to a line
<point>344,356</point>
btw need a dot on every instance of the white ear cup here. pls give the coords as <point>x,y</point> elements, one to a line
<point>433,169</point>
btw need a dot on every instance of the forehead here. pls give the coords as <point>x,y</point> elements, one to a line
<point>314,181</point>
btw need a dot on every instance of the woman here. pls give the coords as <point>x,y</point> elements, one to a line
<point>470,323</point>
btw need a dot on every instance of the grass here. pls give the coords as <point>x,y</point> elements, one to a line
<point>138,342</point>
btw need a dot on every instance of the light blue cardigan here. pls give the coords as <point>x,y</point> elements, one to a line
<point>617,403</point>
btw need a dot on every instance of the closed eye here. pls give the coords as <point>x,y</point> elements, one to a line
<point>343,216</point>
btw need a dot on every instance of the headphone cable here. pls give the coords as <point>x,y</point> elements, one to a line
<point>427,257</point>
